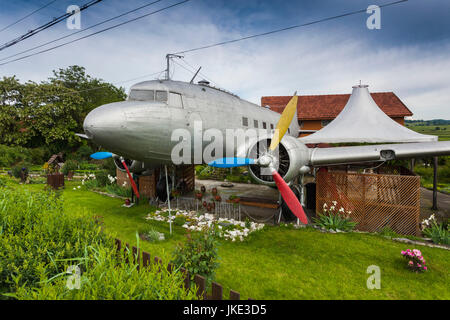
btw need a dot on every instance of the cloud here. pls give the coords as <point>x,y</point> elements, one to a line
<point>319,59</point>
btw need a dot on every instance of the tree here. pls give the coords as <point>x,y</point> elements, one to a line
<point>51,112</point>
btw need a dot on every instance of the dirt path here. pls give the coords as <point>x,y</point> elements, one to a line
<point>426,201</point>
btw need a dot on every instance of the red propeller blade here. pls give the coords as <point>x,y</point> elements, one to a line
<point>289,197</point>
<point>133,185</point>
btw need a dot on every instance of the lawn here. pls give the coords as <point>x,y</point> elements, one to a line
<point>442,131</point>
<point>284,263</point>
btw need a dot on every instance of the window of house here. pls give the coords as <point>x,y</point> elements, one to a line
<point>142,95</point>
<point>325,122</point>
<point>271,126</point>
<point>289,130</point>
<point>161,96</point>
<point>301,124</point>
<point>245,121</point>
<point>264,125</point>
<point>255,123</point>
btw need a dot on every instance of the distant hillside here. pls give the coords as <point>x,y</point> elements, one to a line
<point>434,122</point>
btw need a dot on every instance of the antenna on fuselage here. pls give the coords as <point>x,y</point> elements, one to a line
<point>192,80</point>
<point>168,57</point>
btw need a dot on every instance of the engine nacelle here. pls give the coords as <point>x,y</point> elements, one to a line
<point>133,165</point>
<point>291,160</point>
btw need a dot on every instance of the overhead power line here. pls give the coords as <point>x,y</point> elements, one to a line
<point>82,30</point>
<point>46,26</point>
<point>95,33</point>
<point>28,15</point>
<point>284,29</point>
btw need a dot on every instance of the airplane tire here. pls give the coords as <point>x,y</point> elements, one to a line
<point>287,214</point>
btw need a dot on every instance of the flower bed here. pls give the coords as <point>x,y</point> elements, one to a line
<point>229,229</point>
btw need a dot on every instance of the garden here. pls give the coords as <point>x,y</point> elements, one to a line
<point>269,262</point>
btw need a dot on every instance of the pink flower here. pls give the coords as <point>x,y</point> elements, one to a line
<point>425,268</point>
<point>403,252</point>
<point>410,262</point>
<point>419,265</point>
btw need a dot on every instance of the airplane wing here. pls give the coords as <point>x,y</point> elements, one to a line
<point>381,152</point>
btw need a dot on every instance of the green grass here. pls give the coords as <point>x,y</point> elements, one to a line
<point>444,135</point>
<point>284,263</point>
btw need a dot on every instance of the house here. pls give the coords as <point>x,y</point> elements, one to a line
<point>316,111</point>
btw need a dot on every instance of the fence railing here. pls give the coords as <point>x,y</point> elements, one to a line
<point>144,259</point>
<point>375,200</point>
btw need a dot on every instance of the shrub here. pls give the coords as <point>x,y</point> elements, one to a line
<point>17,169</point>
<point>35,231</point>
<point>179,221</point>
<point>199,254</point>
<point>102,178</point>
<point>439,233</point>
<point>118,190</point>
<point>109,276</point>
<point>69,165</point>
<point>109,166</point>
<point>331,219</point>
<point>84,152</point>
<point>416,262</point>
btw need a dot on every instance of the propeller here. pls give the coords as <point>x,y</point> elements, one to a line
<point>266,160</point>
<point>105,155</point>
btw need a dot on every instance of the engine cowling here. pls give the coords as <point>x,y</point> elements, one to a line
<point>133,165</point>
<point>291,160</point>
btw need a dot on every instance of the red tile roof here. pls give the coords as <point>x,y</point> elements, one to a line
<point>320,107</point>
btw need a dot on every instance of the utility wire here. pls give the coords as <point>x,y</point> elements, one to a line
<point>46,26</point>
<point>82,30</point>
<point>285,29</point>
<point>28,15</point>
<point>95,33</point>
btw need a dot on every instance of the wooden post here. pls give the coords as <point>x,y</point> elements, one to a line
<point>413,163</point>
<point>201,286</point>
<point>435,182</point>
<point>217,291</point>
<point>234,295</point>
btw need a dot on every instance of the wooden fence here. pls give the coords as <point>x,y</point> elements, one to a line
<point>145,260</point>
<point>375,200</point>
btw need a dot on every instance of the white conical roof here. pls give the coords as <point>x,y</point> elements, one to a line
<point>362,120</point>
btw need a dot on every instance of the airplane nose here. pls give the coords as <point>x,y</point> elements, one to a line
<point>102,123</point>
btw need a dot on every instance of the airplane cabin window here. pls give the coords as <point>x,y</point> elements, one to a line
<point>255,123</point>
<point>245,121</point>
<point>142,95</point>
<point>175,100</point>
<point>161,96</point>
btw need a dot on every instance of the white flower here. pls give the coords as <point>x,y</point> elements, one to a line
<point>334,202</point>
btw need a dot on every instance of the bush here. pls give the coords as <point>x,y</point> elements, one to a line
<point>108,276</point>
<point>102,178</point>
<point>35,231</point>
<point>84,152</point>
<point>199,254</point>
<point>109,166</point>
<point>118,190</point>
<point>17,169</point>
<point>69,165</point>
<point>331,219</point>
<point>416,262</point>
<point>439,233</point>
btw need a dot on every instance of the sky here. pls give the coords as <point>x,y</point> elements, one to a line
<point>409,55</point>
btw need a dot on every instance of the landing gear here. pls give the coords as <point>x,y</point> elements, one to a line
<point>298,189</point>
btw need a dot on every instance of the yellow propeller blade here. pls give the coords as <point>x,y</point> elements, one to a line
<point>284,122</point>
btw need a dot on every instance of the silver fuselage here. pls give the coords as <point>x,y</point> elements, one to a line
<point>142,130</point>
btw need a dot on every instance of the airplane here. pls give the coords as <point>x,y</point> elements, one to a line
<point>138,135</point>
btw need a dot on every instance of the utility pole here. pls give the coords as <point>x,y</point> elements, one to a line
<point>168,57</point>
<point>435,182</point>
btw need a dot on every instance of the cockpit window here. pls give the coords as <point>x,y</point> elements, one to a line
<point>161,96</point>
<point>142,95</point>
